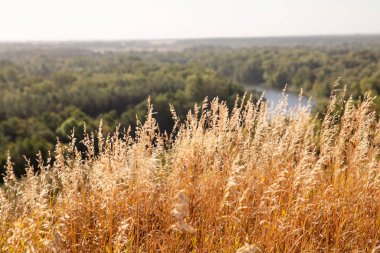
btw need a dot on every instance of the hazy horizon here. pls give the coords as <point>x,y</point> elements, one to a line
<point>188,38</point>
<point>44,20</point>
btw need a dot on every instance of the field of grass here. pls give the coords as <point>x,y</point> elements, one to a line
<point>248,180</point>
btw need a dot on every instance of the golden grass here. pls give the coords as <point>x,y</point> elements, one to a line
<point>249,180</point>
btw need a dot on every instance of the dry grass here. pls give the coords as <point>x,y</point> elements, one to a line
<point>249,180</point>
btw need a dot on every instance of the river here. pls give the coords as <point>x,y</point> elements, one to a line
<point>273,96</point>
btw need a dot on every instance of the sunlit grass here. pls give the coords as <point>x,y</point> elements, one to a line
<point>248,180</point>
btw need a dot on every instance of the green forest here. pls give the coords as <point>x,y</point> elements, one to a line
<point>46,92</point>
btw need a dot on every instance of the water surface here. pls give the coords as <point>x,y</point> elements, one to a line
<point>273,96</point>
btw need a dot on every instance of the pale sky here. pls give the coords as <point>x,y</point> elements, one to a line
<point>158,19</point>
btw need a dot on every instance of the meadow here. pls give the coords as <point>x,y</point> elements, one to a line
<point>246,179</point>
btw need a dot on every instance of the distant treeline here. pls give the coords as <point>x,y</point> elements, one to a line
<point>48,91</point>
<point>314,69</point>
